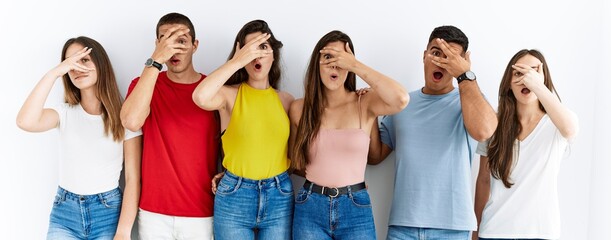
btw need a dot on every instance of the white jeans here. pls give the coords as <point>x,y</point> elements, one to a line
<point>158,226</point>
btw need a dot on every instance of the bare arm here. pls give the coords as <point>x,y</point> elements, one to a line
<point>479,117</point>
<point>387,97</point>
<point>378,151</point>
<point>132,150</point>
<point>136,107</point>
<point>565,120</point>
<point>32,117</point>
<point>295,111</point>
<point>482,190</point>
<point>210,94</point>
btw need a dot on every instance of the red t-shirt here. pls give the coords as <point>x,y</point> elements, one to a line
<point>179,152</point>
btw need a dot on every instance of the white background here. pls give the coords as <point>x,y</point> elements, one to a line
<point>389,36</point>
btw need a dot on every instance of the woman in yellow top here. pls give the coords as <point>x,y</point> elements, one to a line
<point>255,195</point>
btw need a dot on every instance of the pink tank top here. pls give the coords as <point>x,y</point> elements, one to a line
<point>338,157</point>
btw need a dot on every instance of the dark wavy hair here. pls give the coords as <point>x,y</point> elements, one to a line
<point>252,27</point>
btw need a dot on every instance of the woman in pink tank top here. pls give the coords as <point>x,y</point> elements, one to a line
<point>329,140</point>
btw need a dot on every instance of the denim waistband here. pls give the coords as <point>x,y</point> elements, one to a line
<point>65,194</point>
<point>263,182</point>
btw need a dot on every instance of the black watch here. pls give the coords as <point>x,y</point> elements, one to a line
<point>151,63</point>
<point>468,75</point>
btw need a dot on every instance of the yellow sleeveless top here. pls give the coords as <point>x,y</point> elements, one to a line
<point>256,140</point>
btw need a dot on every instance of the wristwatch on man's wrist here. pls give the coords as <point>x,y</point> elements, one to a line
<point>468,75</point>
<point>152,63</point>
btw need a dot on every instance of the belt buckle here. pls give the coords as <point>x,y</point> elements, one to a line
<point>336,192</point>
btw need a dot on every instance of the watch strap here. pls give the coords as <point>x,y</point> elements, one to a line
<point>152,63</point>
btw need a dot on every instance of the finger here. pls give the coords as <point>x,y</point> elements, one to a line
<point>328,61</point>
<point>259,39</point>
<point>80,69</point>
<point>237,46</point>
<point>521,68</point>
<point>81,53</point>
<point>438,59</point>
<point>83,67</point>
<point>265,53</point>
<point>439,64</point>
<point>522,65</point>
<point>540,69</point>
<point>85,49</point>
<point>348,48</point>
<point>519,80</point>
<point>260,54</point>
<point>178,33</point>
<point>445,48</point>
<point>468,56</point>
<point>178,46</point>
<point>168,32</point>
<point>331,51</point>
<point>80,56</point>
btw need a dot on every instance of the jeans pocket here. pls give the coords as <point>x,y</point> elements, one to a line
<point>227,186</point>
<point>57,200</point>
<point>285,187</point>
<point>302,196</point>
<point>361,198</point>
<point>113,201</point>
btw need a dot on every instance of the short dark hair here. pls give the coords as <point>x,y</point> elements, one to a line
<point>176,18</point>
<point>450,34</point>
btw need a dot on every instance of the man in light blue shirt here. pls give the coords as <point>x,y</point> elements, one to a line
<point>434,139</point>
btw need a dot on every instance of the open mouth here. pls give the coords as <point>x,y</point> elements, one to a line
<point>258,66</point>
<point>437,76</point>
<point>174,61</point>
<point>334,76</point>
<point>525,91</point>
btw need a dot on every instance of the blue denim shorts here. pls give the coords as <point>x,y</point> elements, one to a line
<point>243,207</point>
<point>85,216</point>
<point>345,216</point>
<point>510,239</point>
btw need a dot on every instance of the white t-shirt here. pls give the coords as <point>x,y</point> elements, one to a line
<point>90,162</point>
<point>529,209</point>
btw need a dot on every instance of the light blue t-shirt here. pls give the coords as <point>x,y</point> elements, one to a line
<point>433,168</point>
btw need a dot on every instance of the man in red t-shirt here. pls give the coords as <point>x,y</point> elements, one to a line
<point>180,139</point>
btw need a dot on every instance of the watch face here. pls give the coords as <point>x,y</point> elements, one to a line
<point>149,62</point>
<point>470,75</point>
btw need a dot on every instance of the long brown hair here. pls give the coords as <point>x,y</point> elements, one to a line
<point>501,148</point>
<point>309,124</point>
<point>274,72</point>
<point>106,87</point>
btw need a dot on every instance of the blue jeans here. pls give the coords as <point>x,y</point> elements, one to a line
<point>347,216</point>
<point>85,216</point>
<point>510,239</point>
<point>245,207</point>
<point>411,233</point>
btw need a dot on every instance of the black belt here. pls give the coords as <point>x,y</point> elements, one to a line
<point>332,191</point>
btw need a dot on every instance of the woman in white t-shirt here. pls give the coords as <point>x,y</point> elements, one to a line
<point>93,146</point>
<point>520,200</point>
